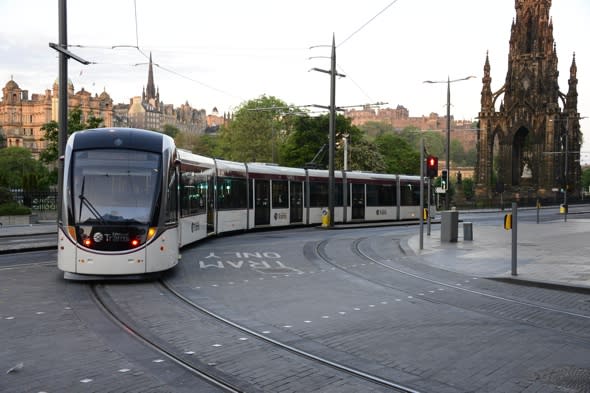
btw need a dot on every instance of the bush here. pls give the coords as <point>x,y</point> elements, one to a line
<point>13,209</point>
<point>5,195</point>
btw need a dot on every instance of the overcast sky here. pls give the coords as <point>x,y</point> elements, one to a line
<point>222,53</point>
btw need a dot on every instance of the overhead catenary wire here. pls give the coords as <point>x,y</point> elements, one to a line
<point>366,23</point>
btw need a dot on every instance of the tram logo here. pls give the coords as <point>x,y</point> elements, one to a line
<point>280,216</point>
<point>111,237</point>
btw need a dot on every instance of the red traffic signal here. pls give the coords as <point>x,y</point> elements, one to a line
<point>432,167</point>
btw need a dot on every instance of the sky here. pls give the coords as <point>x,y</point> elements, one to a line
<point>225,52</point>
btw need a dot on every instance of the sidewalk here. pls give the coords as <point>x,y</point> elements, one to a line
<point>554,253</point>
<point>30,229</point>
<point>10,242</point>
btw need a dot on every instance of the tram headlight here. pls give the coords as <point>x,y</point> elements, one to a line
<point>87,242</point>
<point>135,242</point>
<point>150,234</point>
<point>72,231</point>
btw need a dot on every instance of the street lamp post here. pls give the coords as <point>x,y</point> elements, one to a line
<point>565,147</point>
<point>448,149</point>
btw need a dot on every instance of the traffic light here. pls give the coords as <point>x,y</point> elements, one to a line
<point>444,181</point>
<point>431,167</point>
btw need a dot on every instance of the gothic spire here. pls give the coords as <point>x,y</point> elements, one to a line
<point>486,91</point>
<point>151,89</point>
<point>572,93</point>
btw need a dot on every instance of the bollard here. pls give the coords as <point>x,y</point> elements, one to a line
<point>449,226</point>
<point>325,218</point>
<point>467,231</point>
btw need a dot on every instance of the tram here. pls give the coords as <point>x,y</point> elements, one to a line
<point>131,200</point>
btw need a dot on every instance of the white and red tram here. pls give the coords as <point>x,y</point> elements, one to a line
<point>131,200</point>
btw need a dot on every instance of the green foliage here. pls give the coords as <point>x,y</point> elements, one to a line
<point>171,130</point>
<point>256,132</point>
<point>364,156</point>
<point>50,154</point>
<point>586,178</point>
<point>468,188</point>
<point>309,139</point>
<point>373,129</point>
<point>13,209</point>
<point>203,144</point>
<point>399,156</point>
<point>309,136</point>
<point>18,169</point>
<point>5,195</point>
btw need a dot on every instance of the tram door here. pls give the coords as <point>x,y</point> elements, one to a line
<point>296,207</point>
<point>358,201</point>
<point>210,203</point>
<point>262,202</point>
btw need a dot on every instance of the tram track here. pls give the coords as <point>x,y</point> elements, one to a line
<point>503,307</point>
<point>108,307</point>
<point>127,323</point>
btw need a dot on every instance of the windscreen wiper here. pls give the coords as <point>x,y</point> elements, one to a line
<point>84,201</point>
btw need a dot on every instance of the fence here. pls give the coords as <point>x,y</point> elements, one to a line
<point>43,204</point>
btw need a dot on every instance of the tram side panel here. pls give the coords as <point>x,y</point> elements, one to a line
<point>196,197</point>
<point>409,199</point>
<point>232,197</point>
<point>381,201</point>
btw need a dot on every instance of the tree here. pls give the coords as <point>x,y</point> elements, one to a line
<point>256,132</point>
<point>171,130</point>
<point>50,155</point>
<point>586,179</point>
<point>203,144</point>
<point>399,156</point>
<point>373,129</point>
<point>18,169</point>
<point>309,138</point>
<point>363,156</point>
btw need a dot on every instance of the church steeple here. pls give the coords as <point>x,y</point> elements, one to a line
<point>151,89</point>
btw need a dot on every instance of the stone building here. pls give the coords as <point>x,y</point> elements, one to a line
<point>21,117</point>
<point>526,125</point>
<point>399,118</point>
<point>149,112</point>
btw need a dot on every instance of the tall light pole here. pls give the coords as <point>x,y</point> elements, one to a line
<point>565,153</point>
<point>64,55</point>
<point>331,128</point>
<point>448,149</point>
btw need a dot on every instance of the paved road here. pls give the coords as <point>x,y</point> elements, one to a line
<point>370,296</point>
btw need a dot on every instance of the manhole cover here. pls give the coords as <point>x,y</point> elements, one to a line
<point>567,377</point>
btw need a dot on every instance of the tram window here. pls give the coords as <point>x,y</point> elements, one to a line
<point>338,199</point>
<point>318,194</point>
<point>280,194</point>
<point>193,189</point>
<point>231,193</point>
<point>410,194</point>
<point>118,185</point>
<point>171,212</point>
<point>380,195</point>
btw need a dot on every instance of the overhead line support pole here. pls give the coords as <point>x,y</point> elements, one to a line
<point>62,136</point>
<point>331,130</point>
<point>332,137</point>
<point>62,104</point>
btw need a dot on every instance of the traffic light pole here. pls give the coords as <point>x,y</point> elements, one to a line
<point>428,203</point>
<point>421,194</point>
